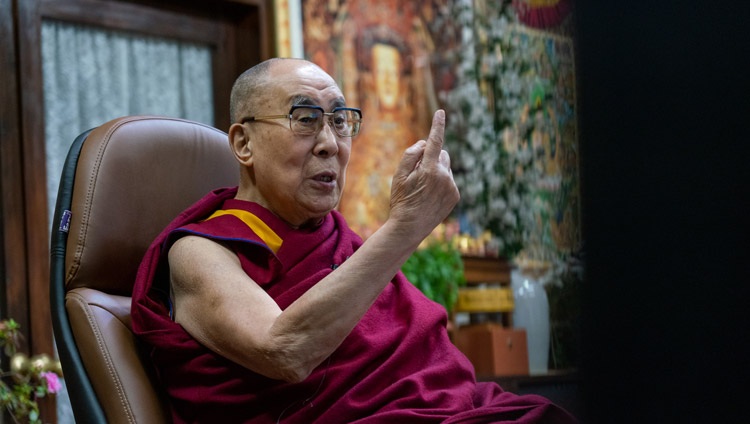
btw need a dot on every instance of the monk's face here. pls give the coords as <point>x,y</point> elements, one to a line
<point>298,177</point>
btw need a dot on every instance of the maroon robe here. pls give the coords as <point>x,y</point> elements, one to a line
<point>397,365</point>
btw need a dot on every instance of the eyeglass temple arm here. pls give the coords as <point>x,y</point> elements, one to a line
<point>260,118</point>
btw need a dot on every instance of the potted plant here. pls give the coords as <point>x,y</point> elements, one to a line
<point>436,268</point>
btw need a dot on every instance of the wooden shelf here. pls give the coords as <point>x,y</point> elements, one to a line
<point>479,270</point>
<point>495,273</point>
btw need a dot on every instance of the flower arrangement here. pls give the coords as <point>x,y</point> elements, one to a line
<point>498,111</point>
<point>27,379</point>
<point>494,170</point>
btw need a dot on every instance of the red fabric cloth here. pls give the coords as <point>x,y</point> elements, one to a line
<point>397,365</point>
<point>542,14</point>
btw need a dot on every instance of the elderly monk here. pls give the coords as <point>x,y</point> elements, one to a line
<point>258,304</point>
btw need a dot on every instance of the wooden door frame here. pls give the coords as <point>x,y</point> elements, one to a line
<point>13,296</point>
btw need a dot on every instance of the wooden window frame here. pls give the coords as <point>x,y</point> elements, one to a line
<point>237,31</point>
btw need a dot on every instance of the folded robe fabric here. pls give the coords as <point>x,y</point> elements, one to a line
<point>397,365</point>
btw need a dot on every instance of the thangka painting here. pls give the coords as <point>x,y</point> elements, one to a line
<point>386,56</point>
<point>551,106</point>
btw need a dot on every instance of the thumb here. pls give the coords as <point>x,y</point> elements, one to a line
<point>409,160</point>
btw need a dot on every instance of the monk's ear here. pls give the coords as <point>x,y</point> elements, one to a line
<point>239,139</point>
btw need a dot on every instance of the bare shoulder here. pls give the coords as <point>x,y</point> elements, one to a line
<point>214,299</point>
<point>190,245</point>
<point>192,258</point>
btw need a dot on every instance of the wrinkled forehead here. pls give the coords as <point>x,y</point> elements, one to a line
<point>305,84</point>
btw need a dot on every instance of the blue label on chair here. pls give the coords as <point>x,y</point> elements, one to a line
<point>65,221</point>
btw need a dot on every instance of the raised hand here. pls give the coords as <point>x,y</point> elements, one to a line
<point>423,192</point>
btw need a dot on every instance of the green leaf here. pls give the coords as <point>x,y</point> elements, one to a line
<point>437,271</point>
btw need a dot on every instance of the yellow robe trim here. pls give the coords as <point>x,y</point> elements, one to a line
<point>272,240</point>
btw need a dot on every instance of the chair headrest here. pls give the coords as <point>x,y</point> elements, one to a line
<point>134,175</point>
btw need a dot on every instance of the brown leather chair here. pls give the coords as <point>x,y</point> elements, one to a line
<point>122,183</point>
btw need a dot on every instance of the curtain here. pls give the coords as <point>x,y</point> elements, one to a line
<point>93,75</point>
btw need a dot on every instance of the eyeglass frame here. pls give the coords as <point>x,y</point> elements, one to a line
<point>300,106</point>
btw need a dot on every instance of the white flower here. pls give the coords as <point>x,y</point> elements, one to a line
<point>510,219</point>
<point>498,204</point>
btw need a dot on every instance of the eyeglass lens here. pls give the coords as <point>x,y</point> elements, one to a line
<point>307,121</point>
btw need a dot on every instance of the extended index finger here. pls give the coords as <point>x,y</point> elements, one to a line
<point>435,139</point>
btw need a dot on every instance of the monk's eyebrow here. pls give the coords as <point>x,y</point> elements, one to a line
<point>307,101</point>
<point>302,100</point>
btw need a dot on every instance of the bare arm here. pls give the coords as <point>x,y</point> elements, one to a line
<point>219,305</point>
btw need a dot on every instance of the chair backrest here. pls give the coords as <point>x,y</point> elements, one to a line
<point>122,183</point>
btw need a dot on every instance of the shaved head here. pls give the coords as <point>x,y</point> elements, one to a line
<point>249,87</point>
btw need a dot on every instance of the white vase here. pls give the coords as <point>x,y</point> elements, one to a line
<point>531,312</point>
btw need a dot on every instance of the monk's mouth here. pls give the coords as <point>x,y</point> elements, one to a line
<point>325,177</point>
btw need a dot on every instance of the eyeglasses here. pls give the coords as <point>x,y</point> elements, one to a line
<point>308,120</point>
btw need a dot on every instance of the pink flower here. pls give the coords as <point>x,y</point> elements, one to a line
<point>53,383</point>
